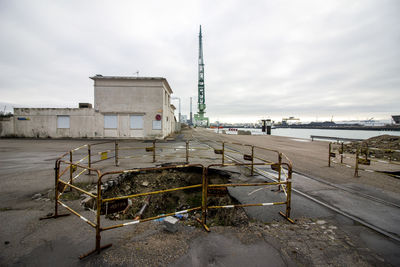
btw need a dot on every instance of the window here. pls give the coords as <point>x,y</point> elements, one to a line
<point>136,121</point>
<point>110,121</point>
<point>156,125</point>
<point>63,122</point>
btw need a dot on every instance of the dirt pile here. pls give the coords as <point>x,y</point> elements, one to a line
<point>383,146</point>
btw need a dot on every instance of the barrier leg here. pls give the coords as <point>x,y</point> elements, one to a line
<point>71,169</point>
<point>286,215</point>
<point>98,211</point>
<point>223,152</point>
<point>154,151</point>
<point>341,154</point>
<point>280,170</point>
<point>56,169</point>
<point>356,168</point>
<point>98,247</point>
<point>187,151</point>
<point>55,215</point>
<point>116,153</point>
<point>89,159</point>
<point>204,210</point>
<point>329,154</point>
<point>252,160</point>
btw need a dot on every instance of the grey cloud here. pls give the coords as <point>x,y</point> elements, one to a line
<point>263,57</point>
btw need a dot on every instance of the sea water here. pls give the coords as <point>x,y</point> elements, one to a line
<point>306,133</point>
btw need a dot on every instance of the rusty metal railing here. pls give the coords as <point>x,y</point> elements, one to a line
<point>361,156</point>
<point>68,170</point>
<point>287,183</point>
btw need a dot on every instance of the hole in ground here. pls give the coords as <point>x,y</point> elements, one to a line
<point>169,202</point>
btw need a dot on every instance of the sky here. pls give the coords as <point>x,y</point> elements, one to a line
<point>315,60</point>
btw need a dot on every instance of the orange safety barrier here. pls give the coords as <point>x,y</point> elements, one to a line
<point>72,167</point>
<point>361,156</point>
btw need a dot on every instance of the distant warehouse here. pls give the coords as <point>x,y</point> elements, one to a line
<point>124,107</point>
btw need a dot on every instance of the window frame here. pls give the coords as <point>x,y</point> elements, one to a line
<point>107,121</point>
<point>130,122</point>
<point>60,121</point>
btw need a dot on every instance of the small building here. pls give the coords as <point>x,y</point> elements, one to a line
<point>124,107</point>
<point>396,119</point>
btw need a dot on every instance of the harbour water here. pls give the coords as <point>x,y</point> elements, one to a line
<point>305,133</point>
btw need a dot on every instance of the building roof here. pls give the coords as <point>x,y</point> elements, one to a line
<point>101,77</point>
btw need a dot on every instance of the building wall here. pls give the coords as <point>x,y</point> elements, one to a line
<point>124,97</point>
<point>6,126</point>
<point>168,120</point>
<point>42,122</point>
<point>118,96</point>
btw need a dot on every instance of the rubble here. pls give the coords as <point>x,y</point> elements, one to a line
<point>169,202</point>
<point>36,196</point>
<point>388,144</point>
<point>170,224</point>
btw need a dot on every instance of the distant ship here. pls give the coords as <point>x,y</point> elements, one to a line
<point>396,119</point>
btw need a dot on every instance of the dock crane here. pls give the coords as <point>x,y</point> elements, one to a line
<point>285,120</point>
<point>199,118</point>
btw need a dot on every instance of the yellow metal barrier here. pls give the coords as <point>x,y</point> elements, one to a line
<point>361,156</point>
<point>72,166</point>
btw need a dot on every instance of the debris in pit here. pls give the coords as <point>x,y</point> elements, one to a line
<point>170,224</point>
<point>388,146</point>
<point>169,202</point>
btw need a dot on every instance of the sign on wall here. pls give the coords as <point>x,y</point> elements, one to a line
<point>156,125</point>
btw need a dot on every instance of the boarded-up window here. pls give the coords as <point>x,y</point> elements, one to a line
<point>110,122</point>
<point>136,121</point>
<point>63,122</point>
<point>156,125</point>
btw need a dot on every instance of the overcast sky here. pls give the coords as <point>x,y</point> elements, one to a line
<point>309,59</point>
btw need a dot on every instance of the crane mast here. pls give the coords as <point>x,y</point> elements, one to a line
<point>201,93</point>
<point>200,120</point>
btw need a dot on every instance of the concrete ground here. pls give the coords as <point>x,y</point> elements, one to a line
<point>319,237</point>
<point>311,158</point>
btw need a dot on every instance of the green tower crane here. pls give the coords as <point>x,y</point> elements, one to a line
<point>199,118</point>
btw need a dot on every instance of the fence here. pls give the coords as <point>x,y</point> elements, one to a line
<point>362,156</point>
<point>68,170</point>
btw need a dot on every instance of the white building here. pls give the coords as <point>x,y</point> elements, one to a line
<point>124,107</point>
